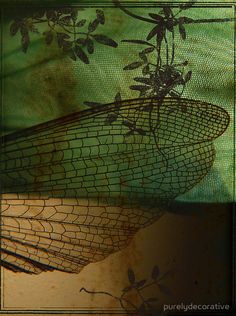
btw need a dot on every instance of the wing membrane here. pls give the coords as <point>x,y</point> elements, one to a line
<point>76,189</point>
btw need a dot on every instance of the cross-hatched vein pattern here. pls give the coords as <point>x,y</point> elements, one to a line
<point>76,189</point>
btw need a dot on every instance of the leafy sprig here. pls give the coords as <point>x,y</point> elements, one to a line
<point>73,33</point>
<point>115,114</point>
<point>164,76</point>
<point>146,305</point>
<point>160,75</point>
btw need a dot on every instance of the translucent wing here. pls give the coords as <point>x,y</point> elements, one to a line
<point>77,189</point>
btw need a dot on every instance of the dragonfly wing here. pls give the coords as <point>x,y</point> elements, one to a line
<point>87,158</point>
<point>65,234</point>
<point>76,189</point>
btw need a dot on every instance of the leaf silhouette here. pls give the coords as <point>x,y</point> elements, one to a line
<point>103,39</point>
<point>143,56</point>
<point>145,70</point>
<point>182,31</point>
<point>147,81</point>
<point>157,17</point>
<point>153,32</point>
<point>90,46</point>
<point>185,6</point>
<point>170,25</point>
<point>24,30</point>
<point>66,45</point>
<point>81,23</point>
<point>160,34</point>
<point>185,19</point>
<point>93,25</point>
<point>185,63</point>
<point>158,31</point>
<point>133,65</point>
<point>167,11</point>
<point>48,37</point>
<point>139,87</point>
<point>66,19</point>
<point>148,50</point>
<point>25,40</point>
<point>188,76</point>
<point>142,94</point>
<point>14,28</point>
<point>81,41</point>
<point>51,15</point>
<point>74,14</point>
<point>140,284</point>
<point>100,16</point>
<point>61,37</point>
<point>155,272</point>
<point>127,288</point>
<point>81,54</point>
<point>131,275</point>
<point>71,54</point>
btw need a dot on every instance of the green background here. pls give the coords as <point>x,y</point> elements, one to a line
<point>43,84</point>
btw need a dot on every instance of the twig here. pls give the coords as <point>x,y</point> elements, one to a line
<point>120,299</point>
<point>142,18</point>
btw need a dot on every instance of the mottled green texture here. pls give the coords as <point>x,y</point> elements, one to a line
<point>83,157</point>
<point>43,84</point>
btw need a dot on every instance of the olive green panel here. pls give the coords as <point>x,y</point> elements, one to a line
<point>44,84</point>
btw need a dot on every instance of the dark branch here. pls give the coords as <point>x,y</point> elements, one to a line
<point>142,18</point>
<point>210,21</point>
<point>118,4</point>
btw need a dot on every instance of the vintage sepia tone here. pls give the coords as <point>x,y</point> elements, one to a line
<point>117,156</point>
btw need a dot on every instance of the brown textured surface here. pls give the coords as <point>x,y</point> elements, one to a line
<point>194,246</point>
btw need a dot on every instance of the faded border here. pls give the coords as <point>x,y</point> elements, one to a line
<point>143,4</point>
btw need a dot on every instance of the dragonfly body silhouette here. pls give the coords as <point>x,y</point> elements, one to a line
<point>76,189</point>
